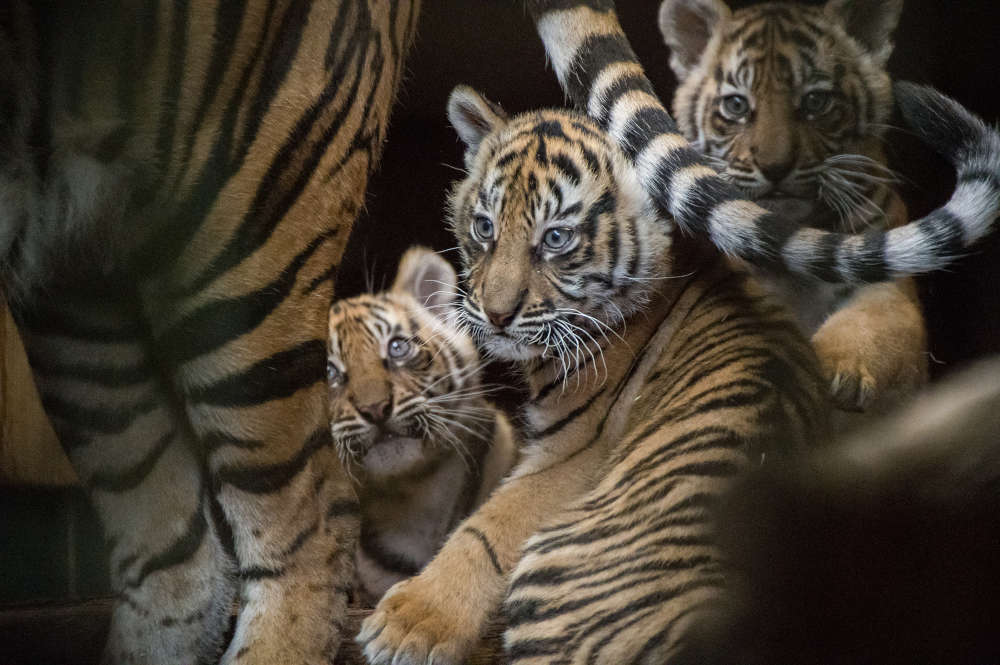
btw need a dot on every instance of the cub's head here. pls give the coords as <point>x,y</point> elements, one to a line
<point>558,241</point>
<point>791,101</point>
<point>403,379</point>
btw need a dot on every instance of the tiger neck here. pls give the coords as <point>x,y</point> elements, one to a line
<point>596,368</point>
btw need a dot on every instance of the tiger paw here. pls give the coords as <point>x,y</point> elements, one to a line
<point>414,625</point>
<point>852,380</point>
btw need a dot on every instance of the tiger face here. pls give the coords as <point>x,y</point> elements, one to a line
<point>790,101</point>
<point>403,380</point>
<point>558,241</point>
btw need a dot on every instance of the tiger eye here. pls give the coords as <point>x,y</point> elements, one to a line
<point>817,102</point>
<point>736,106</point>
<point>482,228</point>
<point>399,348</point>
<point>558,238</point>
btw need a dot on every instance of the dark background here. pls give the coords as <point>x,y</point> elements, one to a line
<point>491,45</point>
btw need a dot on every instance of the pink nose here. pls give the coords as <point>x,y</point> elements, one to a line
<point>375,413</point>
<point>501,319</point>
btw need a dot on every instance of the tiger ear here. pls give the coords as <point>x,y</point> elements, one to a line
<point>687,27</point>
<point>427,277</point>
<point>474,117</point>
<point>870,22</point>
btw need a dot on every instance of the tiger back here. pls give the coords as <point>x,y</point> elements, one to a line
<point>656,375</point>
<point>409,419</point>
<point>791,103</point>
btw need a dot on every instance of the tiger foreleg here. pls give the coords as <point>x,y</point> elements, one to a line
<point>873,350</point>
<point>439,616</point>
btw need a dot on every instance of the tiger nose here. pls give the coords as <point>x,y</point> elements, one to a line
<point>501,319</point>
<point>775,172</point>
<point>376,413</point>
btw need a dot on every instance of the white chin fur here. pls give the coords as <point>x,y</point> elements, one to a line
<point>392,456</point>
<point>507,349</point>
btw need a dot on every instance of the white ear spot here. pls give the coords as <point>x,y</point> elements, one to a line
<point>427,277</point>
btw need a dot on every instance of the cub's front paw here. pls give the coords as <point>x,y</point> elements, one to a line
<point>413,625</point>
<point>852,386</point>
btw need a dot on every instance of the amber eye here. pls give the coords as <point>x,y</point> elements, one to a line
<point>735,106</point>
<point>558,238</point>
<point>817,102</point>
<point>333,373</point>
<point>482,228</point>
<point>399,348</point>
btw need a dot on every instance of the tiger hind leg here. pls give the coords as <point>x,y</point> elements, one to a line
<point>107,403</point>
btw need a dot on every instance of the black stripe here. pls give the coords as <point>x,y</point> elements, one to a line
<point>645,125</point>
<point>867,264</point>
<point>275,196</point>
<point>178,552</point>
<point>824,266</point>
<point>276,377</point>
<point>595,53</point>
<point>342,508</point>
<point>567,168</point>
<point>172,90</point>
<point>213,440</point>
<point>386,559</point>
<point>261,479</point>
<point>102,420</point>
<point>300,540</point>
<point>108,480</point>
<point>255,573</point>
<point>219,322</point>
<point>228,18</point>
<point>481,537</point>
<point>700,199</point>
<point>565,420</point>
<point>945,233</point>
<point>106,376</point>
<point>225,159</point>
<point>614,92</point>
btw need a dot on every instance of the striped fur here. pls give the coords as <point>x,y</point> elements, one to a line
<point>790,103</point>
<point>656,375</point>
<point>599,71</point>
<point>178,181</point>
<point>881,550</point>
<point>410,421</point>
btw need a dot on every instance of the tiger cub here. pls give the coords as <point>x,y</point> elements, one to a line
<point>790,103</point>
<point>409,420</point>
<point>656,374</point>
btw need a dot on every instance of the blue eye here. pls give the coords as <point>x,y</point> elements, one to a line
<point>558,238</point>
<point>333,374</point>
<point>482,228</point>
<point>735,106</point>
<point>399,347</point>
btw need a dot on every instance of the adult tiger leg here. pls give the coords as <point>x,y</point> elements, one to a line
<point>239,318</point>
<point>249,369</point>
<point>105,398</point>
